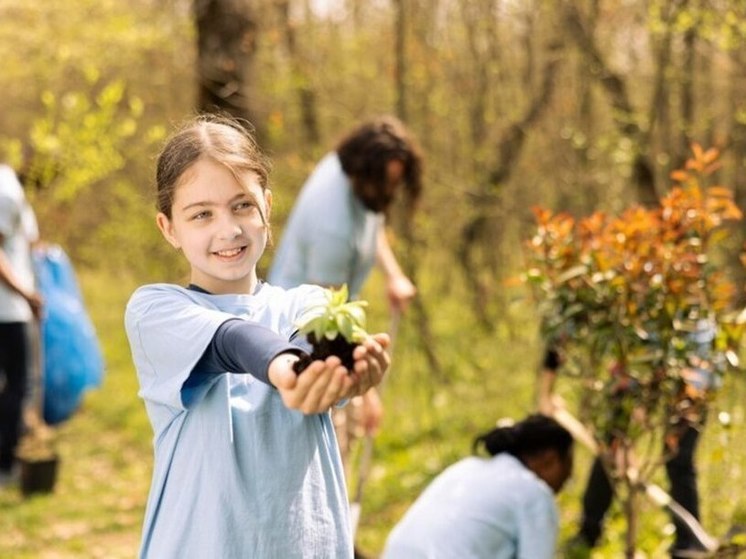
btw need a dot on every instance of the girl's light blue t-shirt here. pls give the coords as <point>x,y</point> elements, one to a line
<point>236,474</point>
<point>480,508</point>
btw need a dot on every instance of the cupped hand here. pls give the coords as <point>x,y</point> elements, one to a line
<point>315,389</point>
<point>325,383</point>
<point>371,362</point>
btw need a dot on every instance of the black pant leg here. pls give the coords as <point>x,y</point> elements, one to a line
<point>14,367</point>
<point>682,475</point>
<point>596,502</point>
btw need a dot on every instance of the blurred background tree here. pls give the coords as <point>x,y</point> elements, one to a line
<point>574,105</point>
<point>642,306</point>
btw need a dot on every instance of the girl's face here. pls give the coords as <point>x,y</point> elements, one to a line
<point>219,225</point>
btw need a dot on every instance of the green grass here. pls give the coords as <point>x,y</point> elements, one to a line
<point>105,459</point>
<point>97,507</point>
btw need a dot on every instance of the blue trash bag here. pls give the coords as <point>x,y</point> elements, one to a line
<point>71,355</point>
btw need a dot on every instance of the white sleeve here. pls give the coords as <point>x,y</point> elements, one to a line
<point>8,215</point>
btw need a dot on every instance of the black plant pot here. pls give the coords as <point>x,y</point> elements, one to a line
<point>38,475</point>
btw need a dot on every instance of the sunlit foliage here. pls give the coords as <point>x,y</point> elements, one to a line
<point>642,307</point>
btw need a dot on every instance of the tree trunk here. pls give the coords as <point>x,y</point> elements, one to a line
<point>400,56</point>
<point>625,117</point>
<point>629,502</point>
<point>479,25</point>
<point>226,44</point>
<point>631,514</point>
<point>687,93</point>
<point>659,114</point>
<point>738,154</point>
<point>300,71</point>
<point>477,238</point>
<point>411,262</point>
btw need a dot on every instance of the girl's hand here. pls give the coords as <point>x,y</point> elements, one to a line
<point>318,387</point>
<point>371,363</point>
<point>324,383</point>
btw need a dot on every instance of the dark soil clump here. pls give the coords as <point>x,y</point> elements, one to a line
<point>323,349</point>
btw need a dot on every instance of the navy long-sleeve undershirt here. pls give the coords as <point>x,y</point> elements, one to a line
<point>240,346</point>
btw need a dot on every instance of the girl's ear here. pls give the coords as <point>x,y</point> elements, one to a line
<point>167,230</point>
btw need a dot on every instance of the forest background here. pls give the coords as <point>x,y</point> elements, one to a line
<point>574,105</point>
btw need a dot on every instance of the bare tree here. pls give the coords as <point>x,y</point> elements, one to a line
<point>411,263</point>
<point>476,250</point>
<point>687,92</point>
<point>625,116</point>
<point>226,43</point>
<point>301,76</point>
<point>737,147</point>
<point>400,55</point>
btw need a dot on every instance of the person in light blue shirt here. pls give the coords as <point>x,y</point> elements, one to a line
<point>500,507</point>
<point>246,463</point>
<point>335,234</point>
<point>330,237</point>
<point>699,376</point>
<point>335,231</point>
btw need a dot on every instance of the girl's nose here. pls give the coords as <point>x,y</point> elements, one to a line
<point>230,228</point>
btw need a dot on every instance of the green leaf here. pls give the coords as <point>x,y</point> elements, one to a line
<point>345,325</point>
<point>336,316</point>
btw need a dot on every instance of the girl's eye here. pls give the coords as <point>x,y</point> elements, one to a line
<point>201,215</point>
<point>246,205</point>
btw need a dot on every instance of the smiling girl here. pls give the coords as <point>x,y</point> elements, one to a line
<point>246,463</point>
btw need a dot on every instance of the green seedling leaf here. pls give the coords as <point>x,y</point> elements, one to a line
<point>336,316</point>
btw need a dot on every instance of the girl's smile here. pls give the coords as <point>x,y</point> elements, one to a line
<point>221,225</point>
<point>229,254</point>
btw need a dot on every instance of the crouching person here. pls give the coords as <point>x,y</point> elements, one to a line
<point>501,506</point>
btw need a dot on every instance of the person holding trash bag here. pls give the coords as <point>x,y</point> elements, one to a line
<point>20,305</point>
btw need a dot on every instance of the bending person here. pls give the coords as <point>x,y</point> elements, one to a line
<point>497,507</point>
<point>335,232</point>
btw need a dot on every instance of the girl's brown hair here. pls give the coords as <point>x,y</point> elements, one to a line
<point>222,139</point>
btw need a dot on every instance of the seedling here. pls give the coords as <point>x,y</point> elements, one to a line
<point>335,327</point>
